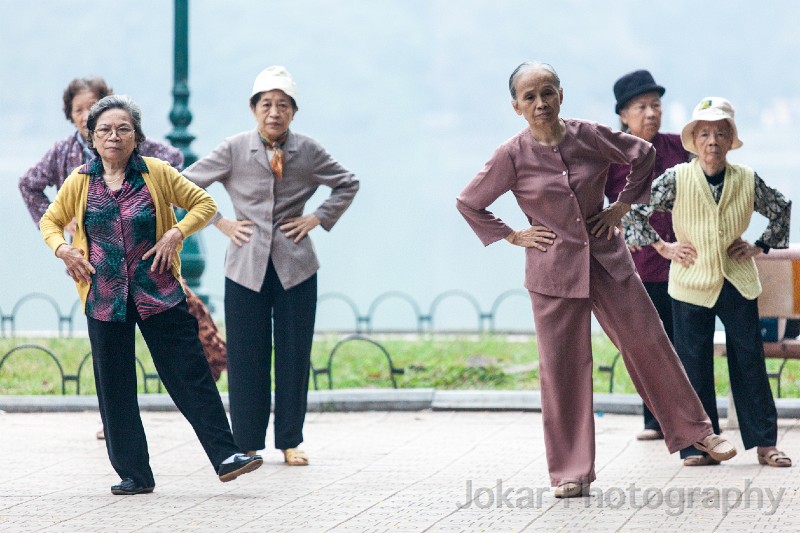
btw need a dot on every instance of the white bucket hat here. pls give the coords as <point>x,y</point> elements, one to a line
<point>710,109</point>
<point>275,77</point>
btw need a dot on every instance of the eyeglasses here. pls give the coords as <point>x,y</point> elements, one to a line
<point>123,132</point>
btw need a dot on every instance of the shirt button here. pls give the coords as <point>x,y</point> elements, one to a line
<point>720,232</point>
<point>577,219</point>
<point>571,195</point>
<point>555,149</point>
<point>585,243</point>
<point>564,173</point>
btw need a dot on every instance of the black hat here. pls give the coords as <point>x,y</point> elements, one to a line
<point>633,84</point>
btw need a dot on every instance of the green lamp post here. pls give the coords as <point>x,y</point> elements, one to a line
<point>192,256</point>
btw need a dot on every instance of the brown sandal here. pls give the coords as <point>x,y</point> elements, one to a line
<point>699,460</point>
<point>774,458</point>
<point>718,448</point>
<point>295,457</point>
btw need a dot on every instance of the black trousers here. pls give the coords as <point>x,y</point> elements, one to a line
<point>252,320</point>
<point>172,339</point>
<point>694,342</point>
<point>657,290</point>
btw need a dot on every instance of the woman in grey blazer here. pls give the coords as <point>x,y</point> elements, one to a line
<point>270,267</point>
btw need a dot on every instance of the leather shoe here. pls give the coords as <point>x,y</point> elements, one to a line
<point>572,490</point>
<point>128,487</point>
<point>241,464</point>
<point>650,434</point>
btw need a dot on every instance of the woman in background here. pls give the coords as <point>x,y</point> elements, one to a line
<point>639,108</point>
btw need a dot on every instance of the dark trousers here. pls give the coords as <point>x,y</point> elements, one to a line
<point>252,320</point>
<point>178,356</point>
<point>657,291</point>
<point>694,342</point>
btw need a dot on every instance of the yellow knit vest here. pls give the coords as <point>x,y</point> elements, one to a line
<point>711,228</point>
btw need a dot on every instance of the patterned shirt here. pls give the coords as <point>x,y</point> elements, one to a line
<point>121,227</point>
<point>67,155</point>
<point>768,202</point>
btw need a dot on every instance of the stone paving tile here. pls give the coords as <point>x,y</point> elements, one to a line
<point>27,523</point>
<point>383,471</point>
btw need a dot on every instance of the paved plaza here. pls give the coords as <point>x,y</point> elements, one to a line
<point>386,471</point>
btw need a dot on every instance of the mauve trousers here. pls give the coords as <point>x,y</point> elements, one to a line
<point>659,295</point>
<point>564,336</point>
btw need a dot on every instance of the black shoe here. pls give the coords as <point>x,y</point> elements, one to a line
<point>128,487</point>
<point>241,465</point>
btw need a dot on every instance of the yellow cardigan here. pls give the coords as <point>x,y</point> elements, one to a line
<point>167,187</point>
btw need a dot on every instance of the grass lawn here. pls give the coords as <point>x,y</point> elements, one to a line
<point>453,362</point>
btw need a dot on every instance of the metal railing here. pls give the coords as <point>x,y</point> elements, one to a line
<point>424,320</point>
<point>363,325</point>
<point>36,350</point>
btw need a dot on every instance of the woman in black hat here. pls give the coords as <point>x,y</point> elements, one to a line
<point>639,108</point>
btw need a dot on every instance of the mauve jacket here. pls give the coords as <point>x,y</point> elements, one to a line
<point>560,187</point>
<point>240,164</point>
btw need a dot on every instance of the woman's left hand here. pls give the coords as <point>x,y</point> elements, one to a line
<point>608,219</point>
<point>164,250</point>
<point>299,226</point>
<point>741,250</point>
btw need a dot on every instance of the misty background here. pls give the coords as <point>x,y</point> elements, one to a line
<point>411,95</point>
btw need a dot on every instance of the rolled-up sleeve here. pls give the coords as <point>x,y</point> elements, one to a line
<point>497,177</point>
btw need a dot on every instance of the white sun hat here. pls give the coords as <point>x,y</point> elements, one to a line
<point>275,77</point>
<point>710,109</point>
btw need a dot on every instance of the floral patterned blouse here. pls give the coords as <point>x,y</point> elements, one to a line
<point>768,202</point>
<point>121,227</point>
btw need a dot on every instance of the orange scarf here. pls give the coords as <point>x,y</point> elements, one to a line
<point>277,158</point>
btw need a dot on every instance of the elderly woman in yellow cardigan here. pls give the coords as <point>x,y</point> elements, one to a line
<point>124,260</point>
<point>713,273</point>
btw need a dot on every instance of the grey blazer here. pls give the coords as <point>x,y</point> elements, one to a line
<point>240,164</point>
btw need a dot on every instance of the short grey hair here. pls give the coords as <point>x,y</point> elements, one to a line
<point>525,67</point>
<point>116,101</point>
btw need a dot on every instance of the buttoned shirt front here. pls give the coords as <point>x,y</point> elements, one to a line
<point>121,228</point>
<point>559,187</point>
<point>240,164</point>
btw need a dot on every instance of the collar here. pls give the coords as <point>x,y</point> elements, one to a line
<point>272,145</point>
<point>88,154</point>
<point>717,178</point>
<point>289,145</point>
<point>135,165</point>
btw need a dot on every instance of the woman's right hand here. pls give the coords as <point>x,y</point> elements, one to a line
<point>78,267</point>
<point>236,230</point>
<point>532,237</point>
<point>680,252</point>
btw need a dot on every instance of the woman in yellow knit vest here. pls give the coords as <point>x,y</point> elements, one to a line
<point>713,273</point>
